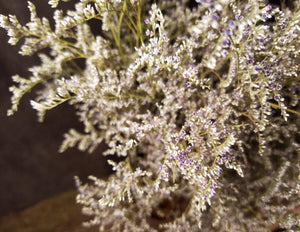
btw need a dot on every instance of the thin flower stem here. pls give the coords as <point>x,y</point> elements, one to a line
<point>289,110</point>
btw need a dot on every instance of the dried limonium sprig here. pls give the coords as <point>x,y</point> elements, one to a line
<point>201,99</point>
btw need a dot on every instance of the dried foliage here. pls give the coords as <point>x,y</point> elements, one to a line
<point>201,100</point>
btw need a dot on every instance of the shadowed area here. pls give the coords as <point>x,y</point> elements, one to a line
<point>31,169</point>
<point>58,214</point>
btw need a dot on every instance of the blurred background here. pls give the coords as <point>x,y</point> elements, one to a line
<point>31,169</point>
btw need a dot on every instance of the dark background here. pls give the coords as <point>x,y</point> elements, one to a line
<point>31,169</point>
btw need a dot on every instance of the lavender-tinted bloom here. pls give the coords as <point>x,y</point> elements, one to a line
<point>225,43</point>
<point>190,100</point>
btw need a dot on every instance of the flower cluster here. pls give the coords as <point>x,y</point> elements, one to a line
<point>200,100</point>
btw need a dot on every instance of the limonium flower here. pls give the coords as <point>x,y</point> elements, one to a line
<point>198,99</point>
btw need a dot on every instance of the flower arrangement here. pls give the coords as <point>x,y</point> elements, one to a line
<point>200,100</point>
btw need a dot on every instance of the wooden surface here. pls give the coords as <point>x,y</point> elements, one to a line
<point>56,214</point>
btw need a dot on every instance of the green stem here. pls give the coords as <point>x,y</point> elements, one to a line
<point>289,110</point>
<point>139,25</point>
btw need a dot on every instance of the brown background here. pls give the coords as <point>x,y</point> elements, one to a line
<point>31,169</point>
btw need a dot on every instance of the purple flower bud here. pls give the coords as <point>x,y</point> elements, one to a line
<point>269,7</point>
<point>225,43</point>
<point>279,87</point>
